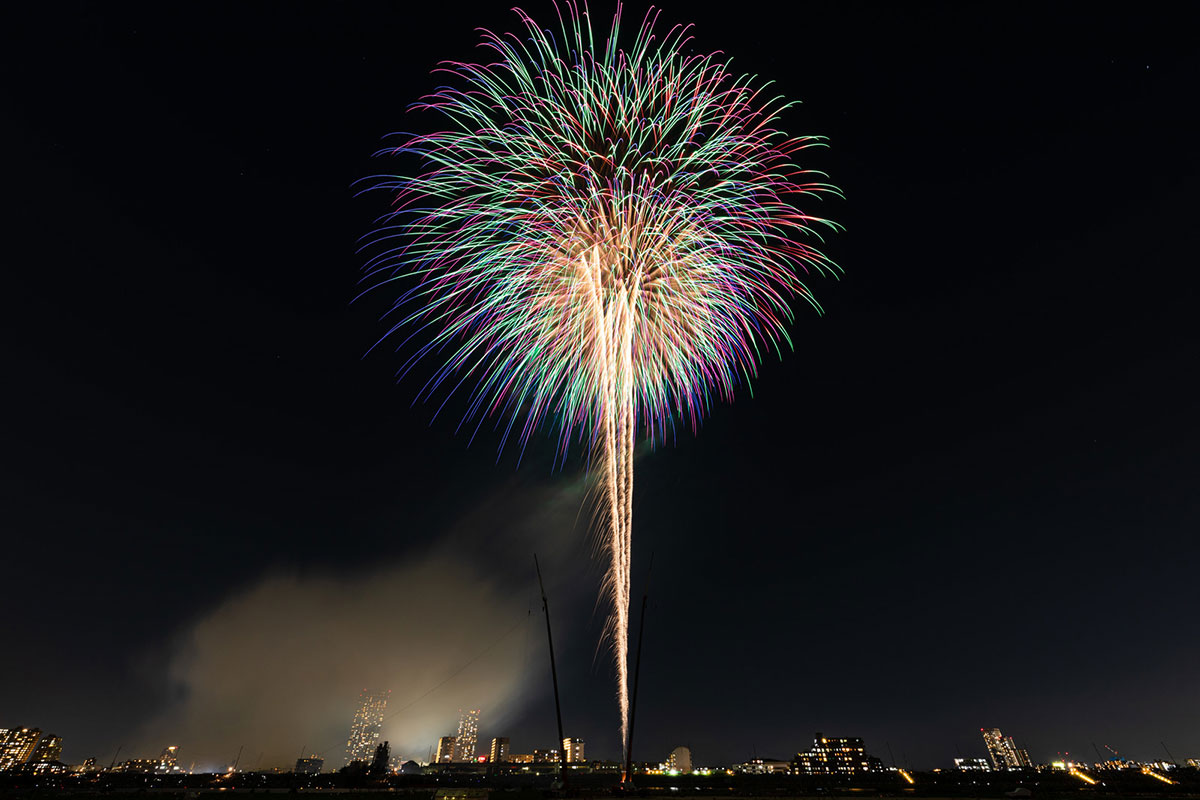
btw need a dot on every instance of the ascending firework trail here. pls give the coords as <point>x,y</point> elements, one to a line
<point>602,239</point>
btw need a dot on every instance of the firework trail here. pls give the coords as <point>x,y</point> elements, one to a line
<point>604,240</point>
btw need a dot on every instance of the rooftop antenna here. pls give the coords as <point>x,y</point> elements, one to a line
<point>562,750</point>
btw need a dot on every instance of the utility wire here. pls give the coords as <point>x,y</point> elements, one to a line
<point>454,674</point>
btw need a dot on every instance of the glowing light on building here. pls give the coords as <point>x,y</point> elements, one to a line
<point>545,757</point>
<point>445,750</point>
<point>48,750</point>
<point>17,745</point>
<point>1003,751</point>
<point>309,766</point>
<point>367,727</point>
<point>835,756</point>
<point>467,737</point>
<point>680,759</point>
<point>168,762</point>
<point>574,750</point>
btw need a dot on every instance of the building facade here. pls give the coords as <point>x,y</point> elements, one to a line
<point>574,750</point>
<point>835,756</point>
<point>47,750</point>
<point>309,766</point>
<point>18,745</point>
<point>168,762</point>
<point>468,736</point>
<point>499,751</point>
<point>367,727</point>
<point>680,760</point>
<point>1003,752</point>
<point>445,750</point>
<point>764,766</point>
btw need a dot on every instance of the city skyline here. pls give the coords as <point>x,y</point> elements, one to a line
<point>963,497</point>
<point>22,747</point>
<point>28,751</point>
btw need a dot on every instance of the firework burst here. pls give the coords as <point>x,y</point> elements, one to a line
<point>604,240</point>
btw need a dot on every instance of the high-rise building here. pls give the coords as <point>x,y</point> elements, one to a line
<point>47,750</point>
<point>1003,751</point>
<point>680,759</point>
<point>499,752</point>
<point>367,727</point>
<point>468,734</point>
<point>574,750</point>
<point>309,766</point>
<point>18,746</point>
<point>445,750</point>
<point>835,756</point>
<point>993,740</point>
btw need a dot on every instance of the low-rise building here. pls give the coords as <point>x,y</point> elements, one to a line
<point>309,766</point>
<point>834,755</point>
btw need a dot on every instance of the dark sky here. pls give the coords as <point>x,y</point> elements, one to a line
<point>968,498</point>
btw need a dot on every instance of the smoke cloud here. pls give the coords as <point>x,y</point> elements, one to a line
<point>279,666</point>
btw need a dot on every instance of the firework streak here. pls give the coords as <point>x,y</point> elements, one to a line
<point>603,241</point>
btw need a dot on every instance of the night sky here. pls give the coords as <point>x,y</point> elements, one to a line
<point>967,499</point>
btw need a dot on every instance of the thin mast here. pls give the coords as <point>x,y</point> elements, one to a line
<point>562,748</point>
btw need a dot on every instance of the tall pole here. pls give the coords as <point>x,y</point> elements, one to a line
<point>637,668</point>
<point>562,748</point>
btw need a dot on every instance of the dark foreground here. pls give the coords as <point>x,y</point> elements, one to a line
<point>1045,785</point>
